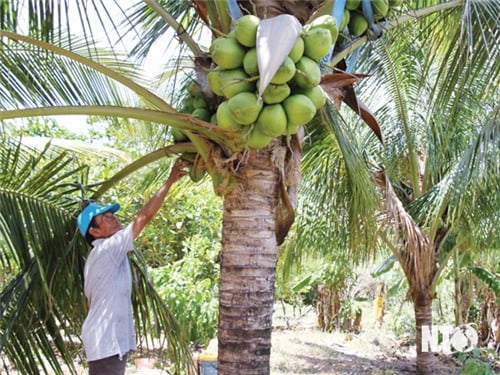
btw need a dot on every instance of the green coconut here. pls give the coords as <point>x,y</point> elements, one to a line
<point>380,8</point>
<point>345,19</point>
<point>299,109</point>
<point>213,45</point>
<point>292,129</point>
<point>317,43</point>
<point>245,30</point>
<point>352,4</point>
<point>285,72</point>
<point>307,73</point>
<point>178,135</point>
<point>196,174</point>
<point>256,140</point>
<point>199,101</point>
<point>250,64</point>
<point>234,81</point>
<point>357,24</point>
<point>328,22</point>
<point>297,50</point>
<point>187,104</point>
<point>228,53</point>
<point>245,107</point>
<point>202,114</point>
<point>193,88</point>
<point>214,81</point>
<point>317,96</point>
<point>275,93</point>
<point>272,120</point>
<point>187,109</point>
<point>225,119</point>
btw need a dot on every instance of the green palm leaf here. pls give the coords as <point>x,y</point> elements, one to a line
<point>42,305</point>
<point>37,233</point>
<point>493,281</point>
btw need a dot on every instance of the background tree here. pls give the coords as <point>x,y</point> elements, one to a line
<point>438,168</point>
<point>259,186</point>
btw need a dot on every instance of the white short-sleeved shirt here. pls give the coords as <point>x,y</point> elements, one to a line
<point>109,327</point>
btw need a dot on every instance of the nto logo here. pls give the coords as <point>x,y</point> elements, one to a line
<point>461,339</point>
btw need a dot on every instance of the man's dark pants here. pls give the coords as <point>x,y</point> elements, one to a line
<point>108,366</point>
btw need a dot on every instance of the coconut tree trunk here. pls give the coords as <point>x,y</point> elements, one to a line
<point>422,303</point>
<point>249,255</point>
<point>420,268</point>
<point>418,258</point>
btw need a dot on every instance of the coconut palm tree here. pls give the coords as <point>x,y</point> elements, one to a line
<point>259,186</point>
<point>444,128</point>
<point>455,136</point>
<point>447,201</point>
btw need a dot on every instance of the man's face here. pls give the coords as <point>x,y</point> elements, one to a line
<point>106,225</point>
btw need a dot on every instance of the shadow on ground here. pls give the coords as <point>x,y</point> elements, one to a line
<point>303,356</point>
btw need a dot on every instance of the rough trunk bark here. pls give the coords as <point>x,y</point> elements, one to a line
<point>249,256</point>
<point>418,258</point>
<point>423,317</point>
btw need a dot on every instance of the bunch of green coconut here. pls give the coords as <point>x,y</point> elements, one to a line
<point>196,103</point>
<point>354,19</point>
<point>292,97</point>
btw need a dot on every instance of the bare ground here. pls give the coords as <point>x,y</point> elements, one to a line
<point>300,348</point>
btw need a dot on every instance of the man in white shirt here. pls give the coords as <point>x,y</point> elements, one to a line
<point>108,331</point>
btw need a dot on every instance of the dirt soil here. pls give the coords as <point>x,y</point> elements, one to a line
<point>300,348</point>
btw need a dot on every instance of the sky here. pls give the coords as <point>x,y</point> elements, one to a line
<point>78,123</point>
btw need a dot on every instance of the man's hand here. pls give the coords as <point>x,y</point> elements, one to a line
<point>178,170</point>
<point>147,213</point>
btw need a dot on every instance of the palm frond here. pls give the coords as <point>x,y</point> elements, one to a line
<point>142,162</point>
<point>469,47</point>
<point>469,185</point>
<point>165,20</point>
<point>48,20</point>
<point>76,147</point>
<point>40,74</point>
<point>336,181</point>
<point>487,277</point>
<point>156,321</point>
<point>414,252</point>
<point>41,303</point>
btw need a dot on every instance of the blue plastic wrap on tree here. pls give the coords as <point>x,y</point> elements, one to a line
<point>374,31</point>
<point>368,12</point>
<point>234,9</point>
<point>337,13</point>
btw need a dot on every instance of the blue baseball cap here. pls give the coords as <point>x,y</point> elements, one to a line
<point>91,211</point>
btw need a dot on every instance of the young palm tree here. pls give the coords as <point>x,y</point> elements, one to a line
<point>454,138</point>
<point>259,187</point>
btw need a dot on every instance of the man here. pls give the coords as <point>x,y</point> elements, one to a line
<point>108,331</point>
